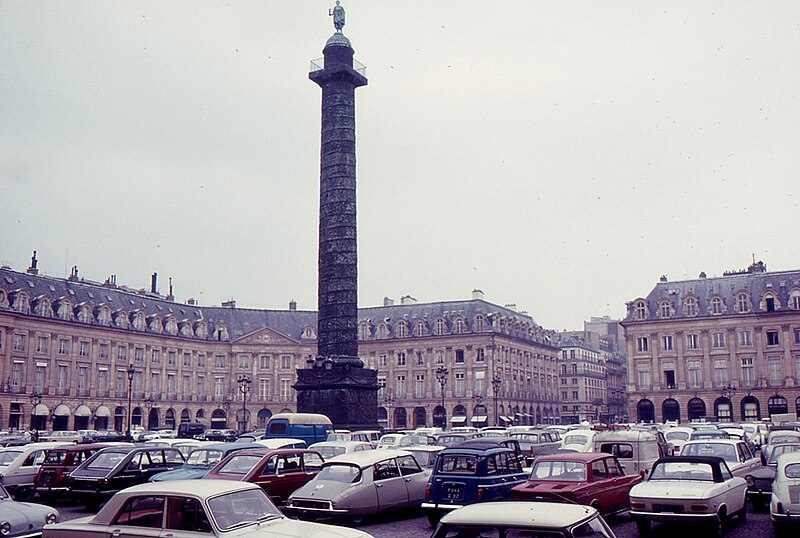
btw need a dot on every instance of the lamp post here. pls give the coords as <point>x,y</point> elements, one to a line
<point>441,377</point>
<point>388,403</point>
<point>36,399</point>
<point>496,384</point>
<point>226,404</point>
<point>148,404</point>
<point>131,372</point>
<point>244,387</point>
<point>728,392</point>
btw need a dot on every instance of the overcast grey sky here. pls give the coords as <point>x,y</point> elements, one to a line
<point>557,155</point>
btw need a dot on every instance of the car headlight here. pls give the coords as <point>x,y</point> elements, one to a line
<point>51,518</point>
<point>750,480</point>
<point>5,528</point>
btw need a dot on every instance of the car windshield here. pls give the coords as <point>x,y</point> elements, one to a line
<point>775,439</point>
<point>781,449</point>
<point>241,508</point>
<point>677,436</point>
<point>570,471</point>
<point>8,456</point>
<point>239,464</point>
<point>106,460</point>
<point>204,457</point>
<point>575,440</point>
<point>594,527</point>
<point>412,440</point>
<point>56,457</point>
<point>330,451</point>
<point>457,463</point>
<point>338,437</point>
<point>709,435</point>
<point>530,437</point>
<point>339,472</point>
<point>792,471</point>
<point>724,450</point>
<point>681,470</point>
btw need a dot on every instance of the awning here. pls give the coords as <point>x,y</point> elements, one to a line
<point>102,411</point>
<point>62,411</point>
<point>459,419</point>
<point>506,419</point>
<point>478,418</point>
<point>83,411</point>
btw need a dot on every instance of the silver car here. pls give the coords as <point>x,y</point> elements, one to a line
<point>784,506</point>
<point>360,484</point>
<point>18,519</point>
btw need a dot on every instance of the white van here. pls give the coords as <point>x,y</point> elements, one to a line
<point>635,450</point>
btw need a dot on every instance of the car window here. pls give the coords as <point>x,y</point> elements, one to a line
<point>30,460</point>
<point>614,468</point>
<point>384,470</point>
<point>344,473</point>
<point>289,463</point>
<point>55,457</point>
<point>155,459</point>
<point>135,463</point>
<point>144,511</point>
<point>792,471</point>
<point>570,471</point>
<point>106,460</point>
<point>491,466</point>
<point>408,465</point>
<point>239,464</point>
<point>623,451</point>
<point>174,457</point>
<point>460,464</point>
<point>593,527</point>
<point>312,461</point>
<point>599,470</point>
<point>459,531</point>
<point>185,514</point>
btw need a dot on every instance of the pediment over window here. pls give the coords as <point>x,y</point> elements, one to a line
<point>266,336</point>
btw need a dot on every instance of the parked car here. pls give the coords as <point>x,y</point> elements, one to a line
<point>212,508</point>
<point>425,455</point>
<point>249,437</point>
<point>310,427</point>
<point>278,472</point>
<point>330,449</point>
<point>23,519</point>
<point>784,506</point>
<point>184,445</point>
<point>360,484</point>
<point>281,442</point>
<point>535,443</point>
<point>705,435</point>
<point>453,439</point>
<point>113,469</point>
<point>373,436</point>
<point>741,461</point>
<point>636,450</point>
<point>464,475</point>
<point>488,442</point>
<point>190,430</point>
<point>690,489</point>
<point>759,481</point>
<point>19,466</point>
<point>590,478</point>
<point>677,436</point>
<point>61,436</point>
<point>220,435</point>
<point>523,520</point>
<point>578,440</point>
<point>58,463</point>
<point>201,460</point>
<point>389,440</point>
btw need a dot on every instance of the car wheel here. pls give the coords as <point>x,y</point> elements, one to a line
<point>741,517</point>
<point>356,520</point>
<point>433,518</point>
<point>24,493</point>
<point>779,530</point>
<point>643,526</point>
<point>715,528</point>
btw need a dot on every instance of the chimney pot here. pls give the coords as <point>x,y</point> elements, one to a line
<point>292,305</point>
<point>388,302</point>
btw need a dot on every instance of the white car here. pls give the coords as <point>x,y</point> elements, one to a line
<point>690,489</point>
<point>329,449</point>
<point>191,508</point>
<point>736,453</point>
<point>578,440</point>
<point>678,436</point>
<point>784,506</point>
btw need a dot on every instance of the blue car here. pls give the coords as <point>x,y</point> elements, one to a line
<point>465,475</point>
<point>201,460</point>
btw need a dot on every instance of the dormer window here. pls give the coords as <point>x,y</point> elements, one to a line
<point>742,303</point>
<point>104,316</point>
<point>156,325</point>
<point>65,310</point>
<point>22,303</point>
<point>419,328</point>
<point>186,328</point>
<point>309,334</point>
<point>363,330</point>
<point>770,303</point>
<point>480,321</point>
<point>717,305</point>
<point>201,330</point>
<point>139,323</point>
<point>690,307</point>
<point>402,329</point>
<point>122,321</point>
<point>43,308</point>
<point>460,326</point>
<point>220,333</point>
<point>641,310</point>
<point>171,326</point>
<point>438,327</point>
<point>665,309</point>
<point>85,314</point>
<point>383,331</point>
<point>794,299</point>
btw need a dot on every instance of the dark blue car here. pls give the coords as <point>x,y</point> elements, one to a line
<point>201,460</point>
<point>465,475</point>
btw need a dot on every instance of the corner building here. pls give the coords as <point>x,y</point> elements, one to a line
<point>724,348</point>
<point>66,346</point>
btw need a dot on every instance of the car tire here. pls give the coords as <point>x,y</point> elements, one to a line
<point>643,526</point>
<point>24,493</point>
<point>715,527</point>
<point>356,520</point>
<point>433,518</point>
<point>779,530</point>
<point>741,517</point>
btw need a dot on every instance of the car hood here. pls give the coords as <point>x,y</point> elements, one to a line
<point>292,528</point>
<point>767,472</point>
<point>191,473</point>
<point>672,489</point>
<point>320,489</point>
<point>24,515</point>
<point>550,486</point>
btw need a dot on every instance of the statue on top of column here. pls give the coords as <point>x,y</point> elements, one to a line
<point>338,16</point>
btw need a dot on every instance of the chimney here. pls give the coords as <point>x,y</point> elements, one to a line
<point>73,274</point>
<point>388,302</point>
<point>702,274</point>
<point>477,295</point>
<point>663,278</point>
<point>32,270</point>
<point>229,304</point>
<point>191,302</point>
<point>170,297</point>
<point>292,305</point>
<point>153,283</point>
<point>407,299</point>
<point>512,307</point>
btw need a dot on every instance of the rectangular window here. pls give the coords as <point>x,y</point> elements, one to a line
<point>718,340</point>
<point>720,372</point>
<point>644,378</point>
<point>63,346</point>
<point>62,379</point>
<point>401,359</point>
<point>642,344</point>
<point>459,389</point>
<point>244,362</point>
<point>187,360</point>
<point>669,378</point>
<point>264,386</point>
<point>170,385</point>
<point>201,386</point>
<point>19,342</point>
<point>122,353</point>
<point>382,386</point>
<point>286,362</point>
<point>666,342</point>
<point>138,354</point>
<point>103,352</point>
<point>286,389</point>
<point>438,357</point>
<point>83,348</point>
<point>480,355</point>
<point>219,387</point>
<point>42,344</point>
<point>219,361</point>
<point>83,378</point>
<point>797,336</point>
<point>772,338</point>
<point>692,341</point>
<point>264,361</point>
<point>419,386</point>
<point>201,360</point>
<point>693,373</point>
<point>745,339</point>
<point>155,356</point>
<point>172,358</point>
<point>775,370</point>
<point>41,379</point>
<point>420,358</point>
<point>102,381</point>
<point>400,386</point>
<point>187,386</point>
<point>748,377</point>
<point>460,356</point>
<point>155,383</point>
<point>16,376</point>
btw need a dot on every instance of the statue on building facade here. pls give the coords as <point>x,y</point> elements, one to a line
<point>338,16</point>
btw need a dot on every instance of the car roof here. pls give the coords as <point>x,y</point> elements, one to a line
<point>340,443</point>
<point>301,418</point>
<point>787,459</point>
<point>520,513</point>
<point>365,458</point>
<point>626,435</point>
<point>715,440</point>
<point>476,450</point>
<point>574,456</point>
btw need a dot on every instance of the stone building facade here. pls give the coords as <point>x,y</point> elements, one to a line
<point>67,345</point>
<point>582,382</point>
<point>723,348</point>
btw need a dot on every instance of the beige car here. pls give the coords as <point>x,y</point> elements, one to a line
<point>736,453</point>
<point>191,508</point>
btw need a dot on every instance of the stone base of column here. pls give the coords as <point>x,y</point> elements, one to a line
<point>346,393</point>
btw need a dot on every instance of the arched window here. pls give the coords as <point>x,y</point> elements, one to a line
<point>723,409</point>
<point>696,409</point>
<point>438,327</point>
<point>665,309</point>
<point>201,329</point>
<point>671,410</point>
<point>104,316</point>
<point>139,321</point>
<point>690,307</point>
<point>750,408</point>
<point>402,329</point>
<point>43,307</point>
<point>121,319</point>
<point>419,328</point>
<point>363,330</point>
<point>641,310</point>
<point>794,299</point>
<point>717,305</point>
<point>383,331</point>
<point>480,321</point>
<point>171,326</point>
<point>460,325</point>
<point>742,303</point>
<point>777,404</point>
<point>22,302</point>
<point>645,411</point>
<point>769,303</point>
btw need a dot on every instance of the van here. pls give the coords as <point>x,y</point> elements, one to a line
<point>635,450</point>
<point>309,427</point>
<point>188,430</point>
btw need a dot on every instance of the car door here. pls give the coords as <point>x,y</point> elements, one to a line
<point>131,473</point>
<point>289,476</point>
<point>389,485</point>
<point>731,489</point>
<point>619,486</point>
<point>415,478</point>
<point>748,459</point>
<point>141,516</point>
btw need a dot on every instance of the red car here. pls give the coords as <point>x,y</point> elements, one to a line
<point>59,462</point>
<point>279,472</point>
<point>591,478</point>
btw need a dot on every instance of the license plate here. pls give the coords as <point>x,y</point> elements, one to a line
<point>452,492</point>
<point>675,509</point>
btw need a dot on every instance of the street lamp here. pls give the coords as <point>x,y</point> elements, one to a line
<point>226,404</point>
<point>441,377</point>
<point>388,403</point>
<point>131,372</point>
<point>148,404</point>
<point>244,387</point>
<point>36,399</point>
<point>729,391</point>
<point>496,384</point>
